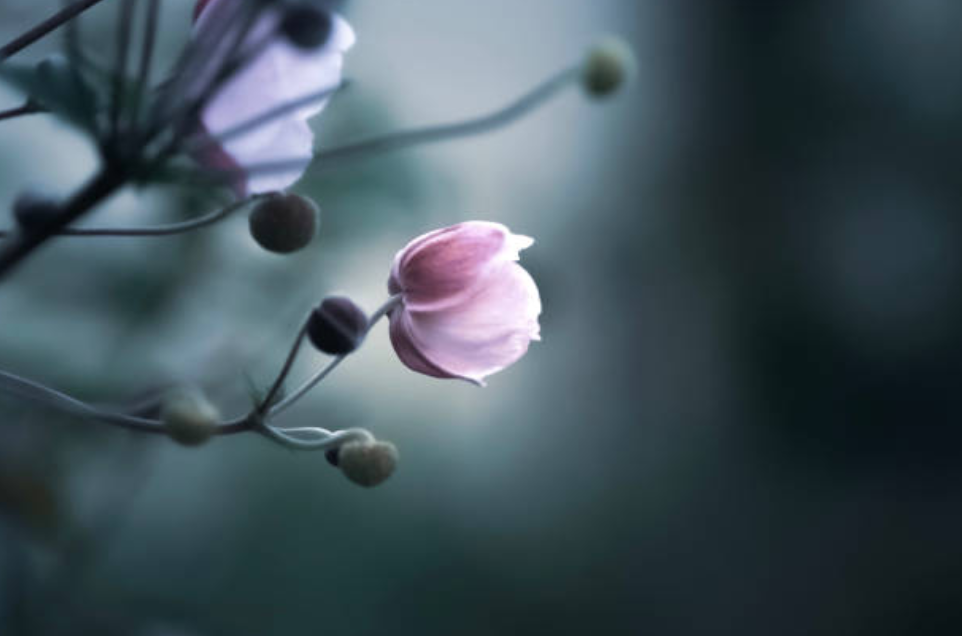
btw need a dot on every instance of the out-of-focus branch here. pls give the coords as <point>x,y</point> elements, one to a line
<point>501,117</point>
<point>105,183</point>
<point>55,21</point>
<point>27,109</point>
<point>168,229</point>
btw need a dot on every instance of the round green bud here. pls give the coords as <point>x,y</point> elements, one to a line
<point>284,223</point>
<point>337,326</point>
<point>306,26</point>
<point>368,462</point>
<point>609,63</point>
<point>188,417</point>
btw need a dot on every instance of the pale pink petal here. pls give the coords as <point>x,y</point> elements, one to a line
<point>407,350</point>
<point>281,74</point>
<point>440,268</point>
<point>481,335</point>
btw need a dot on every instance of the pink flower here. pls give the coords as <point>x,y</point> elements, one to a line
<point>468,309</point>
<point>279,75</point>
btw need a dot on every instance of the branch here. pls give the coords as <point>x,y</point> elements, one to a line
<point>156,230</point>
<point>429,134</point>
<point>58,19</point>
<point>27,109</point>
<point>257,420</point>
<point>23,243</point>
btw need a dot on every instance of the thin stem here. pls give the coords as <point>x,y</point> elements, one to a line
<point>50,24</point>
<point>150,37</point>
<point>271,394</point>
<point>326,439</point>
<point>120,65</point>
<point>51,397</point>
<point>291,399</point>
<point>157,230</point>
<point>430,134</point>
<point>47,396</point>
<point>200,89</point>
<point>23,243</point>
<point>27,109</point>
<point>194,59</point>
<point>256,420</point>
<point>146,60</point>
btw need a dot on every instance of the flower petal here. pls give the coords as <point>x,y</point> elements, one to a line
<point>407,350</point>
<point>281,74</point>
<point>486,332</point>
<point>441,268</point>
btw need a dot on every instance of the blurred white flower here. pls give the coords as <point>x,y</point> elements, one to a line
<point>282,73</point>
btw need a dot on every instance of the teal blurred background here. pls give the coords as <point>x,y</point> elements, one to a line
<point>743,417</point>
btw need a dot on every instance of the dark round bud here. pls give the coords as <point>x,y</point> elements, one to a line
<point>332,456</point>
<point>306,26</point>
<point>284,223</point>
<point>368,463</point>
<point>32,210</point>
<point>337,326</point>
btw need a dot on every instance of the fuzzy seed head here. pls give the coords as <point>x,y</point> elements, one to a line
<point>368,463</point>
<point>188,417</point>
<point>609,64</point>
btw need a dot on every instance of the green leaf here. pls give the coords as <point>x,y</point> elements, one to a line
<point>58,88</point>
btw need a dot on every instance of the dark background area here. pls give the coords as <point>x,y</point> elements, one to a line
<point>744,415</point>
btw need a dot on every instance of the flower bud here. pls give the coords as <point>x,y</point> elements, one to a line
<point>284,223</point>
<point>32,210</point>
<point>306,26</point>
<point>332,457</point>
<point>610,62</point>
<point>468,309</point>
<point>337,326</point>
<point>188,417</point>
<point>367,463</point>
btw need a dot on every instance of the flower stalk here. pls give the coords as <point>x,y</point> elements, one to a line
<point>46,27</point>
<point>258,419</point>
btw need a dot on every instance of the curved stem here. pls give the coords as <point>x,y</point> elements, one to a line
<point>151,19</point>
<point>325,439</point>
<point>53,22</point>
<point>16,385</point>
<point>51,397</point>
<point>430,134</point>
<point>157,230</point>
<point>256,420</point>
<point>122,54</point>
<point>271,394</point>
<point>288,401</point>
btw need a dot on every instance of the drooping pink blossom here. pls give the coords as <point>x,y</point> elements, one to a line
<point>280,74</point>
<point>468,309</point>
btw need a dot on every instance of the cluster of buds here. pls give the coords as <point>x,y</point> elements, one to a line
<point>460,304</point>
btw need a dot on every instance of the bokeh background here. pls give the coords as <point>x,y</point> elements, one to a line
<point>744,416</point>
